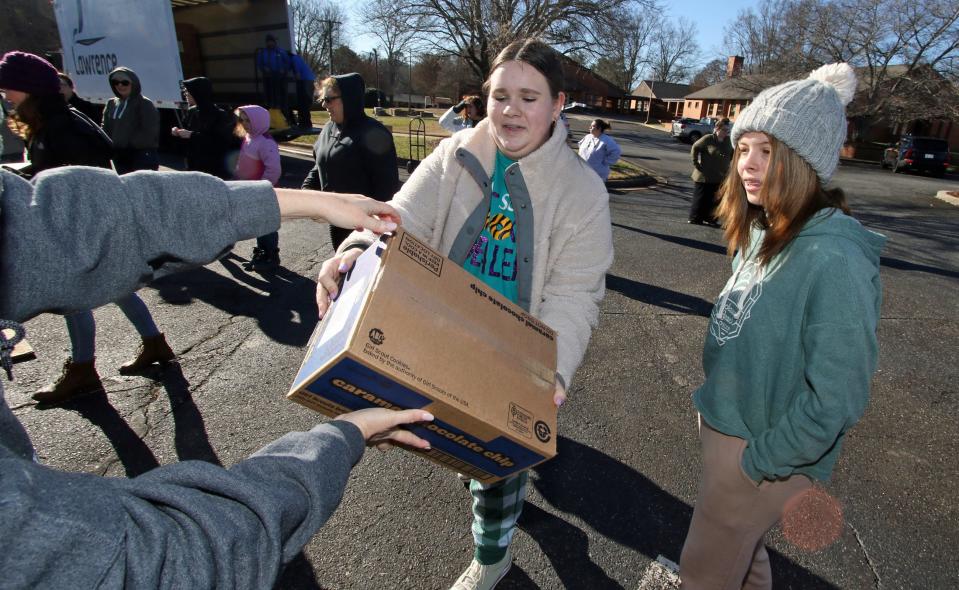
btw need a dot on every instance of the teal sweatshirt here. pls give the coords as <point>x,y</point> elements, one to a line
<point>792,347</point>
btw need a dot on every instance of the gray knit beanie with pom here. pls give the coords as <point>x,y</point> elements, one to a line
<point>807,115</point>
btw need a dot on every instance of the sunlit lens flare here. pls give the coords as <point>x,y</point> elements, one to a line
<point>812,520</point>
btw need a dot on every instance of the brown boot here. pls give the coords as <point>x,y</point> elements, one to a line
<point>153,350</point>
<point>78,379</point>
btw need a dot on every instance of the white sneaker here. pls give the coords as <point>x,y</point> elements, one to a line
<point>483,577</point>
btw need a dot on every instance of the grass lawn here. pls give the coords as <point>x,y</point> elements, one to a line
<point>400,126</point>
<point>622,170</point>
<point>400,140</point>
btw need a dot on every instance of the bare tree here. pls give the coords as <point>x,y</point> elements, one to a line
<point>476,30</point>
<point>396,31</point>
<point>31,27</point>
<point>905,54</point>
<point>674,51</point>
<point>921,40</point>
<point>626,46</point>
<point>713,72</point>
<point>318,28</point>
<point>774,40</point>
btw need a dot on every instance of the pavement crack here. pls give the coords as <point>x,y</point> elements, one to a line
<point>872,564</point>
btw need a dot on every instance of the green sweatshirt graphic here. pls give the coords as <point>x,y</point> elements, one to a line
<point>792,347</point>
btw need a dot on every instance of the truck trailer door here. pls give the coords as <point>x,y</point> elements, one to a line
<point>99,35</point>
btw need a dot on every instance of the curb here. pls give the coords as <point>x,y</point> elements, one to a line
<point>945,196</point>
<point>647,178</point>
<point>635,182</point>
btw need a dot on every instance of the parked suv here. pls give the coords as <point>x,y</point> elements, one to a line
<point>920,154</point>
<point>691,130</point>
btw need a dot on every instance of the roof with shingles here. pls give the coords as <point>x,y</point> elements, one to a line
<point>738,88</point>
<point>661,90</point>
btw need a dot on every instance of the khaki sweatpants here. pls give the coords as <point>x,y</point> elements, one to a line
<point>724,547</point>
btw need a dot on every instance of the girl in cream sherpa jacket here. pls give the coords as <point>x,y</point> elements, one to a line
<point>561,266</point>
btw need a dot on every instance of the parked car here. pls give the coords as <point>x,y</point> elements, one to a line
<point>919,154</point>
<point>691,130</point>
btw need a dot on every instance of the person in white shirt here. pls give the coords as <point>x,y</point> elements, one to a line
<point>598,149</point>
<point>475,112</point>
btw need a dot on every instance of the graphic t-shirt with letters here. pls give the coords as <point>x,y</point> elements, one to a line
<point>492,258</point>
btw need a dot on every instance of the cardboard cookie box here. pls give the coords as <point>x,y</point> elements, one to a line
<point>411,329</point>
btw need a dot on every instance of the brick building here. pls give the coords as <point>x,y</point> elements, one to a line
<point>663,100</point>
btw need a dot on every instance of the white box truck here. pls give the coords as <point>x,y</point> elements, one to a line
<point>167,41</point>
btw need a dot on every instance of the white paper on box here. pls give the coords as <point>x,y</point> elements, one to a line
<point>342,315</point>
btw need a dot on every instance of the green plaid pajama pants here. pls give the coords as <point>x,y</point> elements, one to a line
<point>496,508</point>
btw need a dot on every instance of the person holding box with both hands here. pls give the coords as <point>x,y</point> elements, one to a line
<point>512,204</point>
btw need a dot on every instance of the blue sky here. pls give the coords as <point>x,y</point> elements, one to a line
<point>711,18</point>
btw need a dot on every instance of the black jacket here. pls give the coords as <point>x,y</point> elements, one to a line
<point>357,156</point>
<point>214,139</point>
<point>94,112</point>
<point>67,138</point>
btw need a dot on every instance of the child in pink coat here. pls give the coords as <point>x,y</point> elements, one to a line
<point>259,160</point>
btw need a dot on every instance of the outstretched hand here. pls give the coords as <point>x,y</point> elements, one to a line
<point>381,427</point>
<point>360,213</point>
<point>339,209</point>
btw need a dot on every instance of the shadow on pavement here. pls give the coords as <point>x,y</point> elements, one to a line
<point>659,296</point>
<point>624,506</point>
<point>298,574</point>
<point>687,242</point>
<point>566,547</point>
<point>134,454</point>
<point>189,430</point>
<point>287,314</point>
<point>189,438</point>
<point>517,579</point>
<point>911,266</point>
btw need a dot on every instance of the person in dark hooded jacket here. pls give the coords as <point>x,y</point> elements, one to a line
<point>93,111</point>
<point>133,123</point>
<point>55,134</point>
<point>208,130</point>
<point>354,153</point>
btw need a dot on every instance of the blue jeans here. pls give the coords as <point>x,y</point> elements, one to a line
<point>83,328</point>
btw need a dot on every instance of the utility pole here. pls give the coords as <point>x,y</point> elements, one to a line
<point>411,79</point>
<point>649,103</point>
<point>329,37</point>
<point>376,67</point>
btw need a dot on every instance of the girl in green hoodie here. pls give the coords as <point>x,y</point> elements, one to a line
<point>791,347</point>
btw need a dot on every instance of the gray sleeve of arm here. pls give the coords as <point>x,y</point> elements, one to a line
<point>248,520</point>
<point>82,237</point>
<point>187,525</point>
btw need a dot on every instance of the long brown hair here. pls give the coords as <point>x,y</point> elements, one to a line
<point>25,120</point>
<point>791,194</point>
<point>29,118</point>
